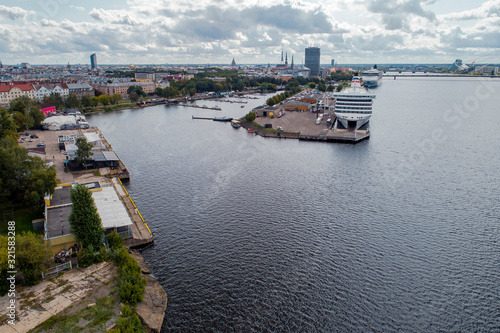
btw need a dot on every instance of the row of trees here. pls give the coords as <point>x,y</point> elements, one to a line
<point>276,99</point>
<point>24,113</point>
<point>73,102</point>
<point>23,179</point>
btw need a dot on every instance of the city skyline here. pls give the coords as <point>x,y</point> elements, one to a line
<point>253,32</point>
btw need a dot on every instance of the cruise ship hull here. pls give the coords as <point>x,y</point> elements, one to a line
<point>372,83</point>
<point>352,121</point>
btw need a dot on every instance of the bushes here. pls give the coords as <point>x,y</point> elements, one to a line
<point>114,240</point>
<point>88,256</point>
<point>250,117</point>
<point>131,286</point>
<point>129,322</point>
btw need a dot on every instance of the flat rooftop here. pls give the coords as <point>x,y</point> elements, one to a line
<point>111,209</point>
<point>57,221</point>
<point>61,196</point>
<point>109,206</point>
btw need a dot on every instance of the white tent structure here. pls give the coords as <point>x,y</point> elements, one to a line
<point>113,214</point>
<point>56,123</point>
<point>94,139</point>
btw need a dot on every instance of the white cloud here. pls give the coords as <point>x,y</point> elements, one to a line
<point>254,31</point>
<point>14,13</point>
<point>113,16</point>
<point>489,8</point>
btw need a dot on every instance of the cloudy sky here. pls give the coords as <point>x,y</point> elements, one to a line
<point>251,31</point>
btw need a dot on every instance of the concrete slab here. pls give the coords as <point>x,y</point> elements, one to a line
<point>38,305</point>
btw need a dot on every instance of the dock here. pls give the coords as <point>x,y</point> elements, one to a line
<point>204,118</point>
<point>303,126</point>
<point>338,135</point>
<point>216,108</point>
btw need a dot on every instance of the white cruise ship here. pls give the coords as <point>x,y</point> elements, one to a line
<point>372,78</point>
<point>353,105</point>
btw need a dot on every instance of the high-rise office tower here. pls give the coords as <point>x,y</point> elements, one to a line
<point>312,60</point>
<point>93,61</point>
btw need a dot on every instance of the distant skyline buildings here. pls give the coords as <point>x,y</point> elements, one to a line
<point>312,60</point>
<point>93,61</point>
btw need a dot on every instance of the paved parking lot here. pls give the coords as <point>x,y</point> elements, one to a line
<point>52,153</point>
<point>292,121</point>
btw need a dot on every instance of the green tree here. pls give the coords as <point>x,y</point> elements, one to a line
<point>240,86</point>
<point>104,100</point>
<point>20,104</point>
<point>37,116</point>
<point>72,102</point>
<point>115,98</point>
<point>4,264</point>
<point>54,99</point>
<point>84,220</point>
<point>159,92</point>
<point>128,322</point>
<point>250,117</point>
<point>312,85</point>
<point>218,87</point>
<point>137,89</point>
<point>32,255</point>
<point>94,101</point>
<point>192,92</point>
<point>86,101</point>
<point>133,96</point>
<point>115,241</point>
<point>24,178</point>
<point>84,152</point>
<point>7,125</point>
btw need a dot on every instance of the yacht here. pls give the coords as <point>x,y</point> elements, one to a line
<point>372,78</point>
<point>353,105</point>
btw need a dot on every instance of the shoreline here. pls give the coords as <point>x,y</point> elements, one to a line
<point>152,309</point>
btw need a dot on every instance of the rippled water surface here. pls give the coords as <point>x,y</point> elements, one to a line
<point>397,233</point>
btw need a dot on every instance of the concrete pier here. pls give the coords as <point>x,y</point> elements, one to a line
<point>303,126</point>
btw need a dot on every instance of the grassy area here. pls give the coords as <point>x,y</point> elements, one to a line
<point>264,128</point>
<point>22,215</point>
<point>91,319</point>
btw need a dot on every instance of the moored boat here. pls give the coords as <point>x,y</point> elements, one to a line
<point>353,105</point>
<point>222,119</point>
<point>372,78</point>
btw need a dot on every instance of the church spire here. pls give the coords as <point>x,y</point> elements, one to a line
<point>292,63</point>
<point>286,60</point>
<point>281,55</point>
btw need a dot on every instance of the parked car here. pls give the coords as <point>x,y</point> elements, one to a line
<point>40,144</point>
<point>279,128</point>
<point>34,136</point>
<point>30,140</point>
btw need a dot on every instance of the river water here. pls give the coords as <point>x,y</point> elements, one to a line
<point>396,233</point>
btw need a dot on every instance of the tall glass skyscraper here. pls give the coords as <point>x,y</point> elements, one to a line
<point>93,61</point>
<point>312,60</point>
